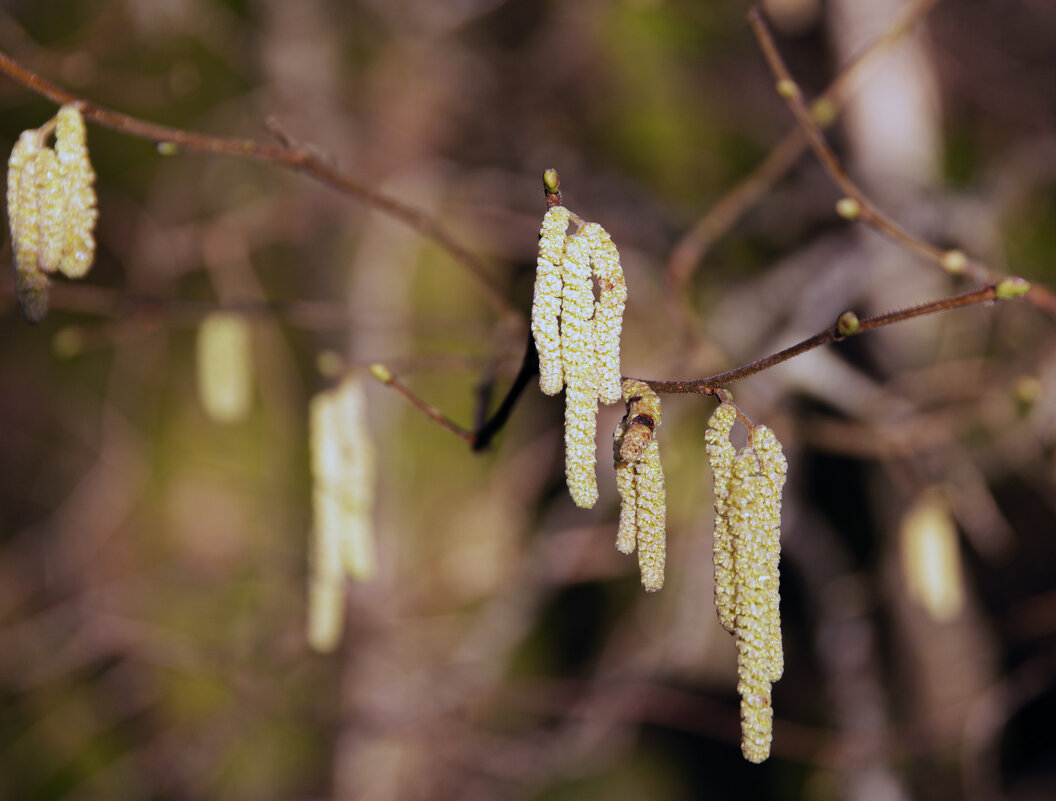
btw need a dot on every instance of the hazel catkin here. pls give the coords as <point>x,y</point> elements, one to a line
<point>546,305</point>
<point>640,482</point>
<point>720,456</point>
<point>51,208</point>
<point>580,370</point>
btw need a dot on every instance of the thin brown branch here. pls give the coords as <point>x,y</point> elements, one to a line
<point>695,244</point>
<point>847,325</point>
<point>865,209</point>
<point>479,439</point>
<point>299,160</point>
<point>385,376</point>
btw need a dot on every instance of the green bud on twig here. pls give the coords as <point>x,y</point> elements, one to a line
<point>954,261</point>
<point>1011,288</point>
<point>848,208</point>
<point>382,373</point>
<point>551,181</point>
<point>847,324</point>
<point>787,89</point>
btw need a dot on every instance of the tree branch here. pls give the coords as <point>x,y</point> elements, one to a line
<point>864,209</point>
<point>847,325</point>
<point>298,160</point>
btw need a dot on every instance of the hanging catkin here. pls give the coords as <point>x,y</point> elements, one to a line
<point>577,338</point>
<point>640,482</point>
<point>720,455</point>
<point>51,208</point>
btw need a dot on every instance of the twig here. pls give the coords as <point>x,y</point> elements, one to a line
<point>485,432</point>
<point>863,208</point>
<point>298,159</point>
<point>695,244</point>
<point>529,368</point>
<point>847,325</point>
<point>385,376</point>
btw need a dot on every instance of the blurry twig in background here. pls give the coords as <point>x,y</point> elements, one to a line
<point>697,242</point>
<point>861,207</point>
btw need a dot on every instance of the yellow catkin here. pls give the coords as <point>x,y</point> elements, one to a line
<point>51,208</point>
<point>580,369</point>
<point>342,500</point>
<point>546,305</point>
<point>773,469</point>
<point>23,212</point>
<point>640,482</point>
<point>77,178</point>
<point>627,533</point>
<point>225,367</point>
<point>651,517</point>
<point>751,605</point>
<point>720,456</point>
<point>608,309</point>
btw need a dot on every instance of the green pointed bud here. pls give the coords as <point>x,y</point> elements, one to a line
<point>382,373</point>
<point>954,261</point>
<point>848,208</point>
<point>1011,288</point>
<point>847,324</point>
<point>787,89</point>
<point>168,148</point>
<point>551,181</point>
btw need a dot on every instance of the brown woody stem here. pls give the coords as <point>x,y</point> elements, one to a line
<point>868,212</point>
<point>712,385</point>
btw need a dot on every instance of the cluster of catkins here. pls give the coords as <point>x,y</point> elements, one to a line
<point>747,549</point>
<point>51,208</point>
<point>578,337</point>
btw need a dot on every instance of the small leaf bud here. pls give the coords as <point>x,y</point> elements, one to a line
<point>1011,288</point>
<point>848,208</point>
<point>787,88</point>
<point>382,373</point>
<point>551,181</point>
<point>954,261</point>
<point>847,324</point>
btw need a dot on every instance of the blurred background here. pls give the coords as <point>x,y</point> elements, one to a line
<point>153,555</point>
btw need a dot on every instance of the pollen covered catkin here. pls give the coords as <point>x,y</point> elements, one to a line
<point>51,208</point>
<point>753,514</point>
<point>651,517</point>
<point>720,455</point>
<point>577,338</point>
<point>773,469</point>
<point>751,605</point>
<point>23,212</point>
<point>580,370</point>
<point>546,305</point>
<point>608,309</point>
<point>76,177</point>
<point>640,482</point>
<point>627,532</point>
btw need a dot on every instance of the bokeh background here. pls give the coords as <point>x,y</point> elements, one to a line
<point>153,559</point>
